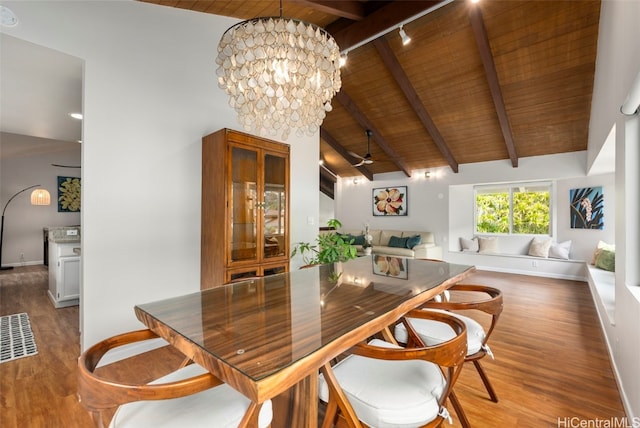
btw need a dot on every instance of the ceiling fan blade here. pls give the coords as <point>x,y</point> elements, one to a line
<point>355,155</point>
<point>366,159</point>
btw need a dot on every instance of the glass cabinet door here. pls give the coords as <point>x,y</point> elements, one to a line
<point>275,206</point>
<point>244,203</point>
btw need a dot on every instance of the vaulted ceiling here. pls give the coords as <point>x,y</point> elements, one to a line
<point>496,80</point>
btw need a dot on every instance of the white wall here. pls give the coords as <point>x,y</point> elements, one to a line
<point>23,221</point>
<point>150,94</point>
<point>426,203</point>
<point>617,65</point>
<point>327,209</point>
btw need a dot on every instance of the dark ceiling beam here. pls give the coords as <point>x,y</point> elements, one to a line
<point>364,121</point>
<point>480,34</point>
<point>392,63</point>
<point>383,19</point>
<point>353,10</point>
<point>330,140</point>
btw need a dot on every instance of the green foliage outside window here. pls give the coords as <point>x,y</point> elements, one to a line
<point>531,213</point>
<point>517,210</point>
<point>493,212</point>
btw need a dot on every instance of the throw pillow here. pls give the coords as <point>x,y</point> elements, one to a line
<point>469,244</point>
<point>396,241</point>
<point>488,244</point>
<point>601,246</point>
<point>358,239</point>
<point>606,260</point>
<point>412,241</point>
<point>539,247</point>
<point>560,250</point>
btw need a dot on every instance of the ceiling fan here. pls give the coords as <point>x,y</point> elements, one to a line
<point>366,159</point>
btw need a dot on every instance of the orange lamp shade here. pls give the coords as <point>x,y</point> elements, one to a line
<point>40,197</point>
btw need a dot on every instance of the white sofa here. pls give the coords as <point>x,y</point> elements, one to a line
<point>426,249</point>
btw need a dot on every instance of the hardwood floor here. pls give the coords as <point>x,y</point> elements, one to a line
<point>551,362</point>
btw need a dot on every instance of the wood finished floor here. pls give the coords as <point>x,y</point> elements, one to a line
<point>551,361</point>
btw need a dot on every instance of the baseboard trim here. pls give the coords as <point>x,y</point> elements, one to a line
<point>532,273</point>
<point>20,264</point>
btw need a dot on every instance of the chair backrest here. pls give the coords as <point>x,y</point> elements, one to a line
<point>492,305</point>
<point>99,395</point>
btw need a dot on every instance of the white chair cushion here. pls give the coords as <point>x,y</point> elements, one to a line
<point>433,332</point>
<point>387,394</point>
<point>221,407</point>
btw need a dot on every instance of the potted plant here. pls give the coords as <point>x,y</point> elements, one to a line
<point>330,247</point>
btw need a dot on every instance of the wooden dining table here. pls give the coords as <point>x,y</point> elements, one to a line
<point>268,337</point>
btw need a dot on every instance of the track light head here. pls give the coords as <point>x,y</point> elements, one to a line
<point>343,60</point>
<point>405,39</point>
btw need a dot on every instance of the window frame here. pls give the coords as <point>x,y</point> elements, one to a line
<point>510,186</point>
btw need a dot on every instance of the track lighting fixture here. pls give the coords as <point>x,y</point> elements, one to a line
<point>405,39</point>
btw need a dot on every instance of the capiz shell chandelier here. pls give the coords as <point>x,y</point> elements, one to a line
<point>280,74</point>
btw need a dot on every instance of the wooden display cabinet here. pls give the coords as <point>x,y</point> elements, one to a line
<point>245,207</point>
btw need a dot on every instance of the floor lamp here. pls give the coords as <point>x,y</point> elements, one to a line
<point>38,197</point>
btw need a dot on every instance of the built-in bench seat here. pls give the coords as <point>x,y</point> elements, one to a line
<point>603,284</point>
<point>522,264</point>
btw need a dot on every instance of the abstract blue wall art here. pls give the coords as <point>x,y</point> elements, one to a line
<point>587,208</point>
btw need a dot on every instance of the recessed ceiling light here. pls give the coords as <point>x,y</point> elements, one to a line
<point>7,17</point>
<point>76,115</point>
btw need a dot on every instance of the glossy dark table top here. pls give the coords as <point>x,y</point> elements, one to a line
<point>252,333</point>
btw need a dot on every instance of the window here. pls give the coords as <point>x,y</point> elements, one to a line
<point>513,208</point>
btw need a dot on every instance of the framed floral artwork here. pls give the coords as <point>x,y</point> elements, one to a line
<point>69,194</point>
<point>390,266</point>
<point>586,209</point>
<point>390,201</point>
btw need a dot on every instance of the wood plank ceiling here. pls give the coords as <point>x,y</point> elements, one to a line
<point>496,80</point>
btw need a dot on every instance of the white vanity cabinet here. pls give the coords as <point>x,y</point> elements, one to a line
<point>64,274</point>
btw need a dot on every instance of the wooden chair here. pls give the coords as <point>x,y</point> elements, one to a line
<point>482,298</point>
<point>384,385</point>
<point>187,397</point>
